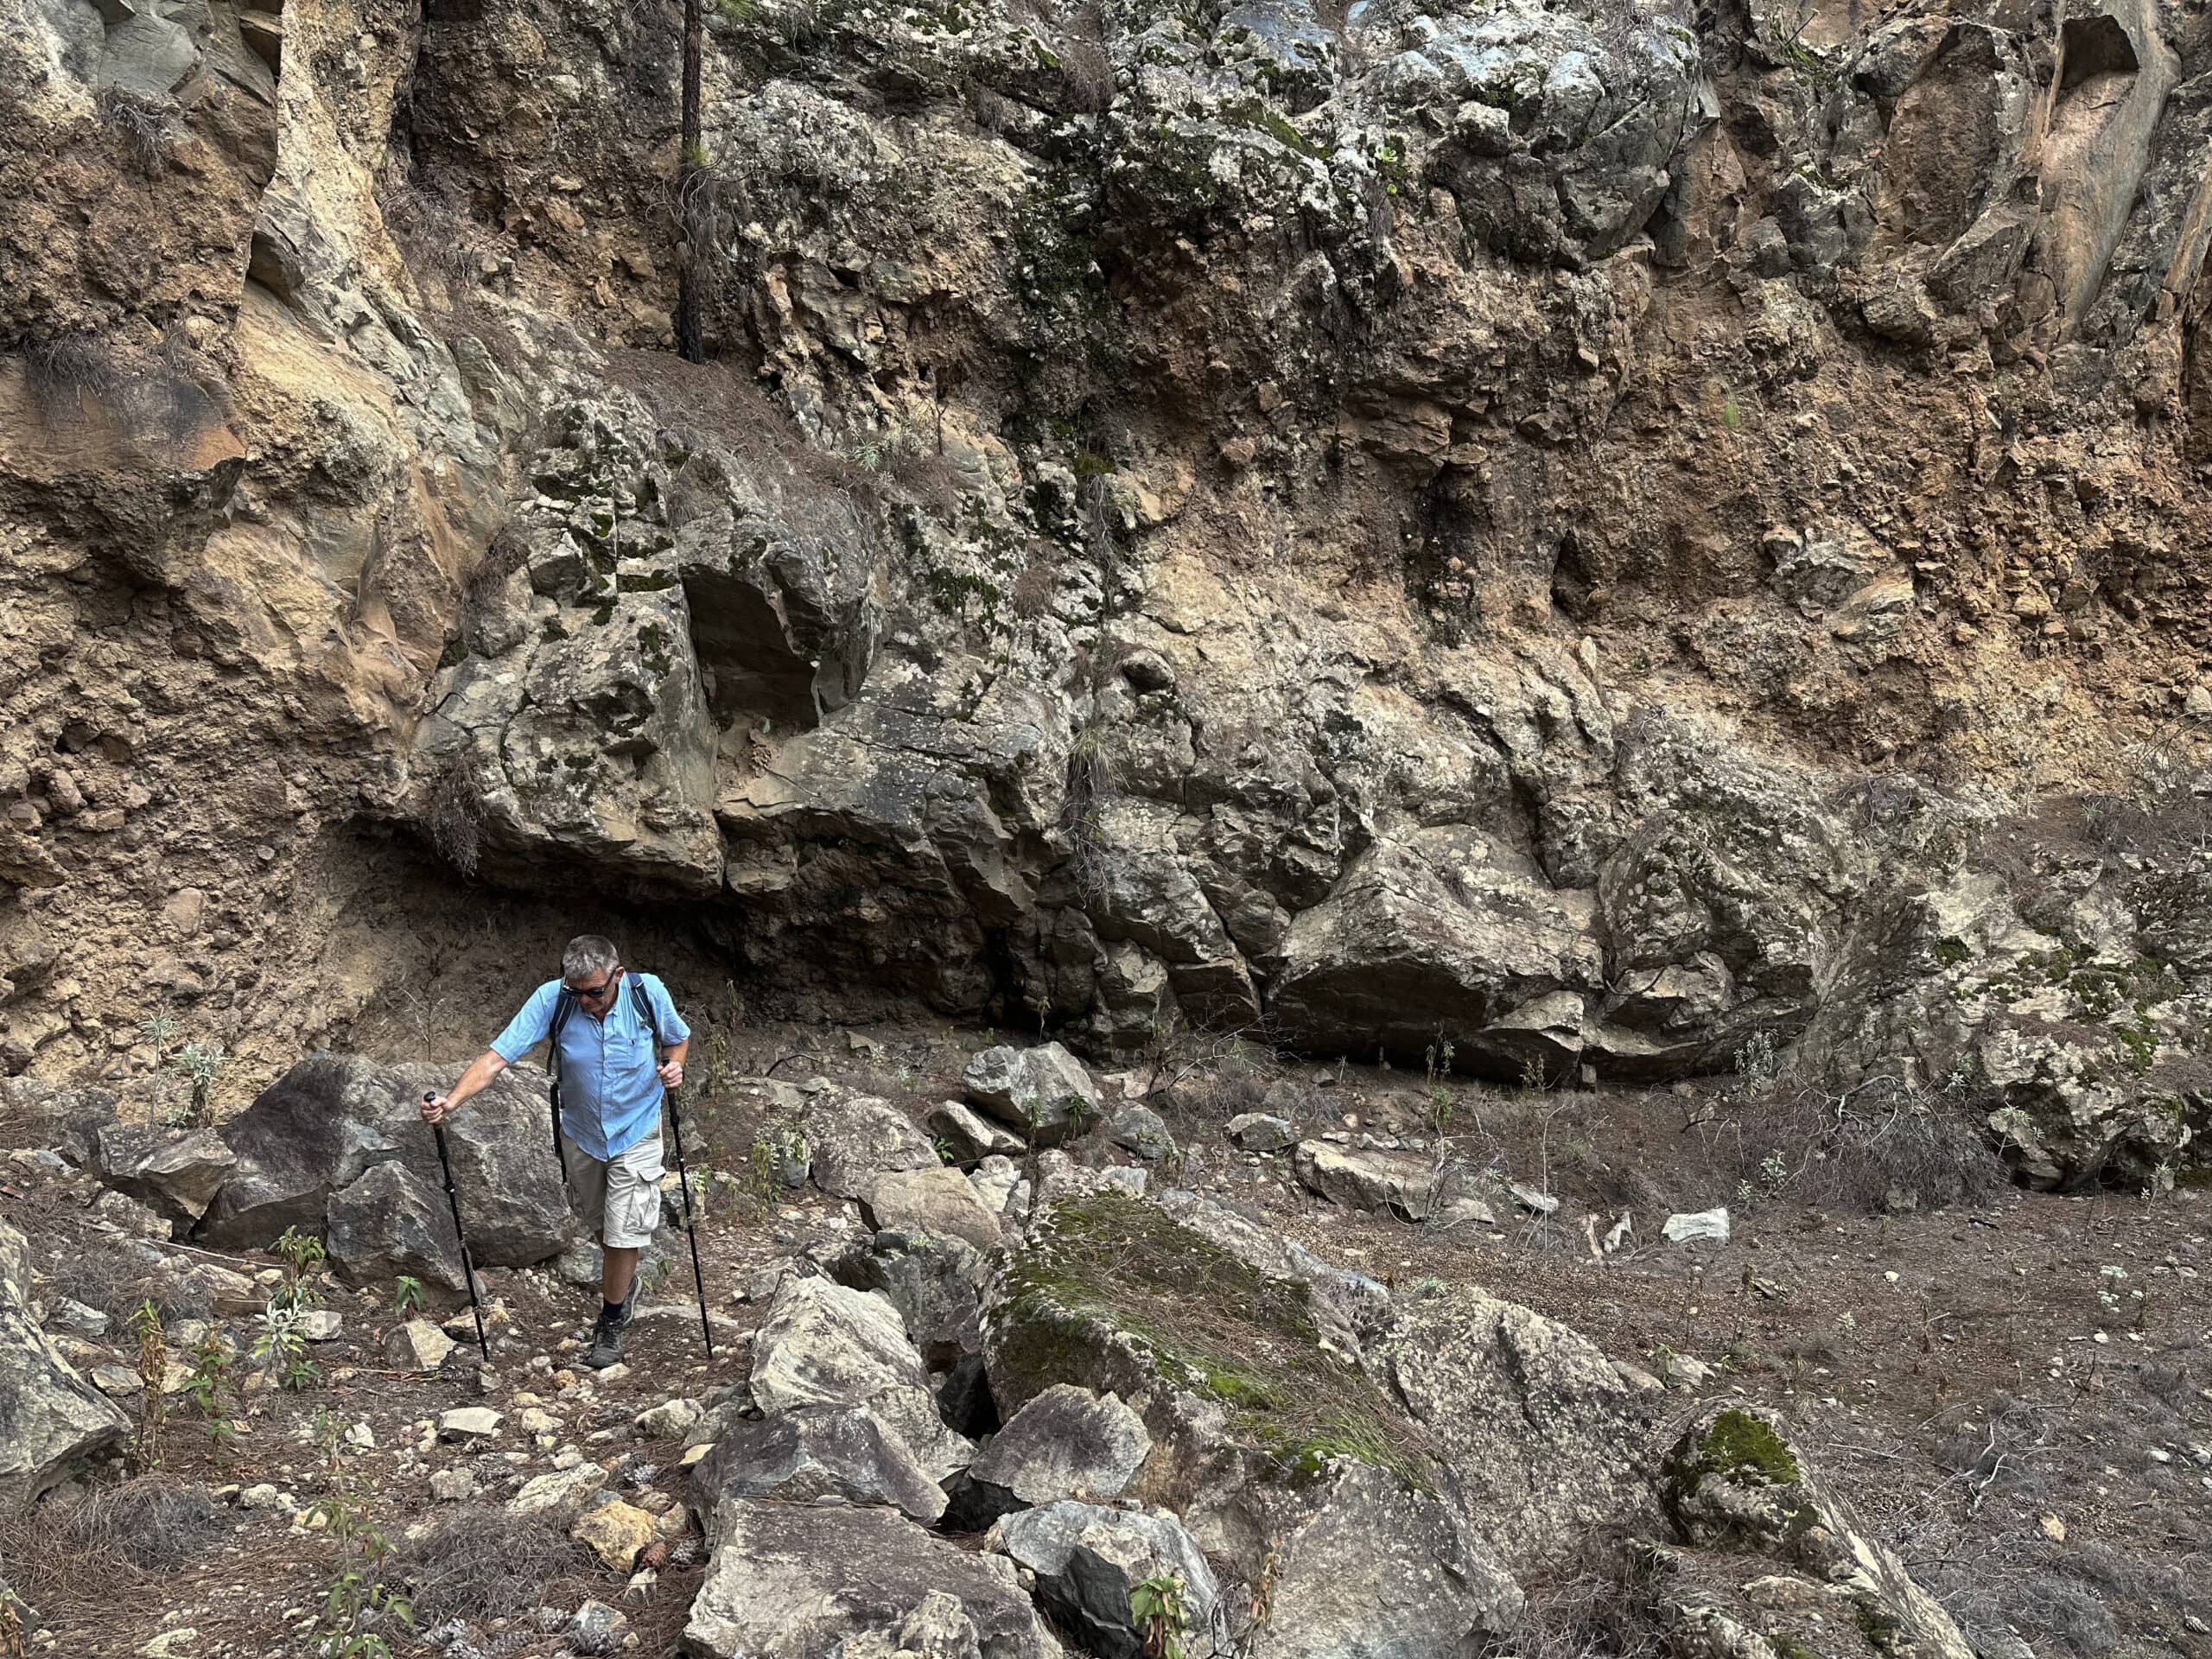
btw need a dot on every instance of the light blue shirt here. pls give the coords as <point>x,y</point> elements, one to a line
<point>610,1089</point>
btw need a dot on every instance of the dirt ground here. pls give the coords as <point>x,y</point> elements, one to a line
<point>2015,1392</point>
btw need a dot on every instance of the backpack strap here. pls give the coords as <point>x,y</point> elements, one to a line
<point>644,1005</point>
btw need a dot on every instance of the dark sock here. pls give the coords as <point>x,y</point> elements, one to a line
<point>609,1310</point>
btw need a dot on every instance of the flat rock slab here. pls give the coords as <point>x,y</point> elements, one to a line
<point>788,1579</point>
<point>469,1423</point>
<point>561,1496</point>
<point>1067,1443</point>
<point>1711,1225</point>
<point>816,1452</point>
<point>1400,1183</point>
<point>939,1201</point>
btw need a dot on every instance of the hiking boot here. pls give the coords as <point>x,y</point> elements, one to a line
<point>630,1302</point>
<point>606,1342</point>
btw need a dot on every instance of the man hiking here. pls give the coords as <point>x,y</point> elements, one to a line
<point>604,1023</point>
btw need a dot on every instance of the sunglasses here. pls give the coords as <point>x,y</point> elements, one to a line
<point>593,993</point>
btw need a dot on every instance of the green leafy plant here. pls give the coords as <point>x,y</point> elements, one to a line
<point>279,1346</point>
<point>153,1368</point>
<point>1156,1608</point>
<point>406,1295</point>
<point>358,1606</point>
<point>212,1394</point>
<point>302,1256</point>
<point>200,1062</point>
<point>1439,1057</point>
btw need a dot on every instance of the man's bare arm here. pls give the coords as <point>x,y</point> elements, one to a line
<point>485,1067</point>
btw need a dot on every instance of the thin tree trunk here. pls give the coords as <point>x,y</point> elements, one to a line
<point>691,254</point>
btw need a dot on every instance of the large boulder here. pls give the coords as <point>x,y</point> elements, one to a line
<point>936,1282</point>
<point>1247,1399</point>
<point>1543,1440</point>
<point>390,1221</point>
<point>816,1451</point>
<point>175,1173</point>
<point>1401,1183</point>
<point>330,1120</point>
<point>1443,932</point>
<point>49,1415</point>
<point>938,1201</point>
<point>1043,1092</point>
<point>855,1141</point>
<point>790,1580</point>
<point>969,1139</point>
<point>1088,1559</point>
<point>827,1343</point>
<point>1067,1443</point>
<point>1374,1569</point>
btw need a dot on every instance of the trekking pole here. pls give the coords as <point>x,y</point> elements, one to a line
<point>691,1231</point>
<point>467,1267</point>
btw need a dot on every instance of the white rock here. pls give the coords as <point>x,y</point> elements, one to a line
<point>75,1316</point>
<point>562,1496</point>
<point>417,1345</point>
<point>671,1419</point>
<point>1534,1201</point>
<point>1712,1224</point>
<point>469,1423</point>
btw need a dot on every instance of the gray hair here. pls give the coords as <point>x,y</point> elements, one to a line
<point>588,955</point>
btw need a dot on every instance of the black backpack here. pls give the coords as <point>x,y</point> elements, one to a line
<point>564,1006</point>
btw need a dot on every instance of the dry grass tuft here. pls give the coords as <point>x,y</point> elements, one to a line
<point>1601,1604</point>
<point>82,1546</point>
<point>1881,1145</point>
<point>483,1563</point>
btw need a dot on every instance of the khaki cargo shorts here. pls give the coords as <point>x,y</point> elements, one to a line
<point>619,1199</point>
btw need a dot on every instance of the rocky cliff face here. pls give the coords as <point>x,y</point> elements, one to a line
<point>1600,537</point>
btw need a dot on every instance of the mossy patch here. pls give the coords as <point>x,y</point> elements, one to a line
<point>1879,1626</point>
<point>1737,1445</point>
<point>1209,1323</point>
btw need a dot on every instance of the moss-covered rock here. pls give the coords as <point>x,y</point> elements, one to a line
<point>1734,1481</point>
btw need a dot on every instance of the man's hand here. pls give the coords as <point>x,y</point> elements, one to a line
<point>672,1074</point>
<point>434,1108</point>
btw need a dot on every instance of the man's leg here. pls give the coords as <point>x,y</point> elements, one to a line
<point>633,1209</point>
<point>618,1271</point>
